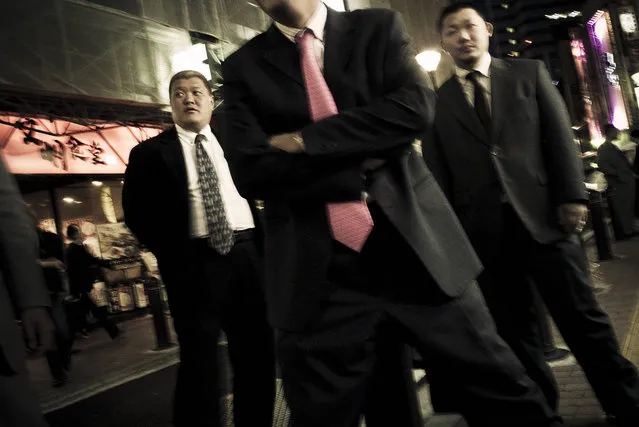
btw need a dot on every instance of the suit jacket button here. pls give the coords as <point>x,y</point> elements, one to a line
<point>495,150</point>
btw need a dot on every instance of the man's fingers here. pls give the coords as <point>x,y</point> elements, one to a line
<point>30,335</point>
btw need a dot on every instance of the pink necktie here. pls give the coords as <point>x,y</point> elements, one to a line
<point>350,222</point>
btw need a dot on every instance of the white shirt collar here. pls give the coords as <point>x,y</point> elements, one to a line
<point>316,23</point>
<point>483,66</point>
<point>189,136</point>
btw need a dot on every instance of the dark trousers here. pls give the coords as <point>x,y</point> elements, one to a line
<point>208,293</point>
<point>100,313</point>
<point>328,368</point>
<point>60,358</point>
<point>559,272</point>
<point>19,402</point>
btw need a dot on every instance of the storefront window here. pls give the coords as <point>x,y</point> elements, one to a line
<point>96,207</point>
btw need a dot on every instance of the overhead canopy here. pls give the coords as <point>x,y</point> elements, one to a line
<point>44,146</point>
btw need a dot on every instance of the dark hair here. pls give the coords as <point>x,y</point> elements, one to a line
<point>610,131</point>
<point>454,8</point>
<point>73,231</point>
<point>187,74</point>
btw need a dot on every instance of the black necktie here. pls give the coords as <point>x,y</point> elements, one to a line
<point>480,101</point>
<point>220,232</point>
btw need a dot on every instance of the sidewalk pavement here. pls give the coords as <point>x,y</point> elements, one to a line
<point>99,363</point>
<point>103,364</point>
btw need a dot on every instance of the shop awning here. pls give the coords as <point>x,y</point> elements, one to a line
<point>36,145</point>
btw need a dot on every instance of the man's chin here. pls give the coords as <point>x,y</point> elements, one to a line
<point>467,60</point>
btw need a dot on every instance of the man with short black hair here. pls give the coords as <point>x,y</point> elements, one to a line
<point>180,201</point>
<point>505,156</point>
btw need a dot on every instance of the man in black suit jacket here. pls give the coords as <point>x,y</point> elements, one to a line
<point>504,154</point>
<point>22,293</point>
<point>621,179</point>
<point>180,201</point>
<point>412,281</point>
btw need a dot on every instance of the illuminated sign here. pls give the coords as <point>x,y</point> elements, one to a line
<point>599,28</point>
<point>628,22</point>
<point>42,146</point>
<point>611,66</point>
<point>573,14</point>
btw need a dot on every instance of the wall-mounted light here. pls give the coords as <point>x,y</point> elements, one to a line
<point>429,59</point>
<point>97,183</point>
<point>335,5</point>
<point>71,200</point>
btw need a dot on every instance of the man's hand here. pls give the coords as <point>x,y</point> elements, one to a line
<point>38,329</point>
<point>289,142</point>
<point>572,217</point>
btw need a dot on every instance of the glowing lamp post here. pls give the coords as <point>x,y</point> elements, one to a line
<point>429,60</point>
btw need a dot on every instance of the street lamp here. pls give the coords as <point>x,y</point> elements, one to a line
<point>429,60</point>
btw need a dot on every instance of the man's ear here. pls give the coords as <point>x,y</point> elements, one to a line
<point>490,29</point>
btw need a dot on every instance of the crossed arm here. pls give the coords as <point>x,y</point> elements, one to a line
<point>324,160</point>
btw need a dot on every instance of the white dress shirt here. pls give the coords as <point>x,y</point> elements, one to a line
<point>484,80</point>
<point>237,208</point>
<point>317,24</point>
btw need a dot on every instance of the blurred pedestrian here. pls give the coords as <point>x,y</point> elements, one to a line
<point>621,178</point>
<point>505,156</point>
<point>23,292</point>
<point>54,271</point>
<point>82,268</point>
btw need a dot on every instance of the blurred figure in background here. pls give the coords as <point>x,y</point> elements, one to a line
<point>621,178</point>
<point>82,268</point>
<point>55,277</point>
<point>23,293</point>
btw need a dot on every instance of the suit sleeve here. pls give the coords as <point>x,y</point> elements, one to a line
<point>396,118</point>
<point>19,248</point>
<point>563,165</point>
<point>138,192</point>
<point>434,158</point>
<point>260,172</point>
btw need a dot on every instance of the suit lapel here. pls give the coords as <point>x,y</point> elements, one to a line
<point>282,54</point>
<point>338,45</point>
<point>173,155</point>
<point>453,95</point>
<point>503,85</point>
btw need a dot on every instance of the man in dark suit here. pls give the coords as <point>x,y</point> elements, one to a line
<point>23,292</point>
<point>180,201</point>
<point>621,179</point>
<point>322,111</point>
<point>504,154</point>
